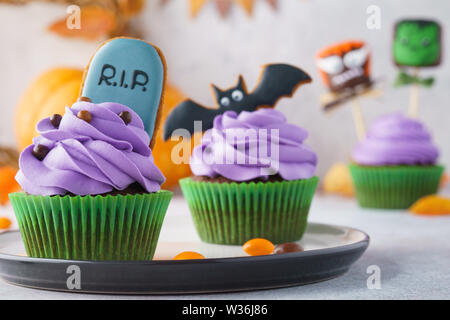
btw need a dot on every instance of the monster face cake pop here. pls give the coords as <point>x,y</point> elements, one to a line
<point>345,71</point>
<point>417,44</point>
<point>92,190</point>
<point>345,66</point>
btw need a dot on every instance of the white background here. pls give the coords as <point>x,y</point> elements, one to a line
<point>209,49</point>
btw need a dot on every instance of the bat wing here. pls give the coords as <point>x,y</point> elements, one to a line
<point>184,115</point>
<point>277,81</point>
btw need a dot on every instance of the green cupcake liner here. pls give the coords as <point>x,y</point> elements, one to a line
<point>233,213</point>
<point>394,187</point>
<point>119,227</point>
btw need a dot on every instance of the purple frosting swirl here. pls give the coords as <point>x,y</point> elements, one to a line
<point>254,145</point>
<point>90,158</point>
<point>396,140</point>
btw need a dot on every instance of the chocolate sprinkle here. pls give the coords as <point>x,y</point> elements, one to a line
<point>40,151</point>
<point>85,99</point>
<point>125,116</point>
<point>55,120</point>
<point>85,115</point>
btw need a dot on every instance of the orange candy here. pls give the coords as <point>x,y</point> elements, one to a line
<point>188,255</point>
<point>258,247</point>
<point>5,223</point>
<point>8,183</point>
<point>431,205</point>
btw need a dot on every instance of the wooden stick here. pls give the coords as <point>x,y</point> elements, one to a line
<point>414,97</point>
<point>358,119</point>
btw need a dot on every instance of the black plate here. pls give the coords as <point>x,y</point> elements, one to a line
<point>329,252</point>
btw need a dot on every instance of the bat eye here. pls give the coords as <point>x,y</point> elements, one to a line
<point>331,64</point>
<point>356,58</point>
<point>225,101</point>
<point>237,95</point>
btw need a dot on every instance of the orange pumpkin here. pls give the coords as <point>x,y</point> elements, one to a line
<point>50,93</point>
<point>8,183</point>
<point>162,150</point>
<point>57,88</point>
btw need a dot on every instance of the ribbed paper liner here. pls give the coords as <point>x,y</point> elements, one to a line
<point>91,227</point>
<point>396,187</point>
<point>233,213</point>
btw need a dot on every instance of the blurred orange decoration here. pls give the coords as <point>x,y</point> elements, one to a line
<point>57,88</point>
<point>8,183</point>
<point>338,180</point>
<point>97,18</point>
<point>431,205</point>
<point>224,6</point>
<point>444,180</point>
<point>95,22</point>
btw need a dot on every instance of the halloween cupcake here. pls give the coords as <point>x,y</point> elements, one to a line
<point>395,164</point>
<point>254,178</point>
<point>91,188</point>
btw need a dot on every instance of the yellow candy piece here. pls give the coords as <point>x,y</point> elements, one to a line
<point>431,205</point>
<point>258,247</point>
<point>339,181</point>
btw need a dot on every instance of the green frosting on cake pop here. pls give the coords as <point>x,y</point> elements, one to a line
<point>417,43</point>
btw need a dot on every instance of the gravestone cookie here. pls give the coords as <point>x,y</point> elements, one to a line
<point>131,72</point>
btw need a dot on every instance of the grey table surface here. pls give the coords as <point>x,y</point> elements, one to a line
<point>412,253</point>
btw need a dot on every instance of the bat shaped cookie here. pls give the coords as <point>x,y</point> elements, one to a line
<point>276,81</point>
